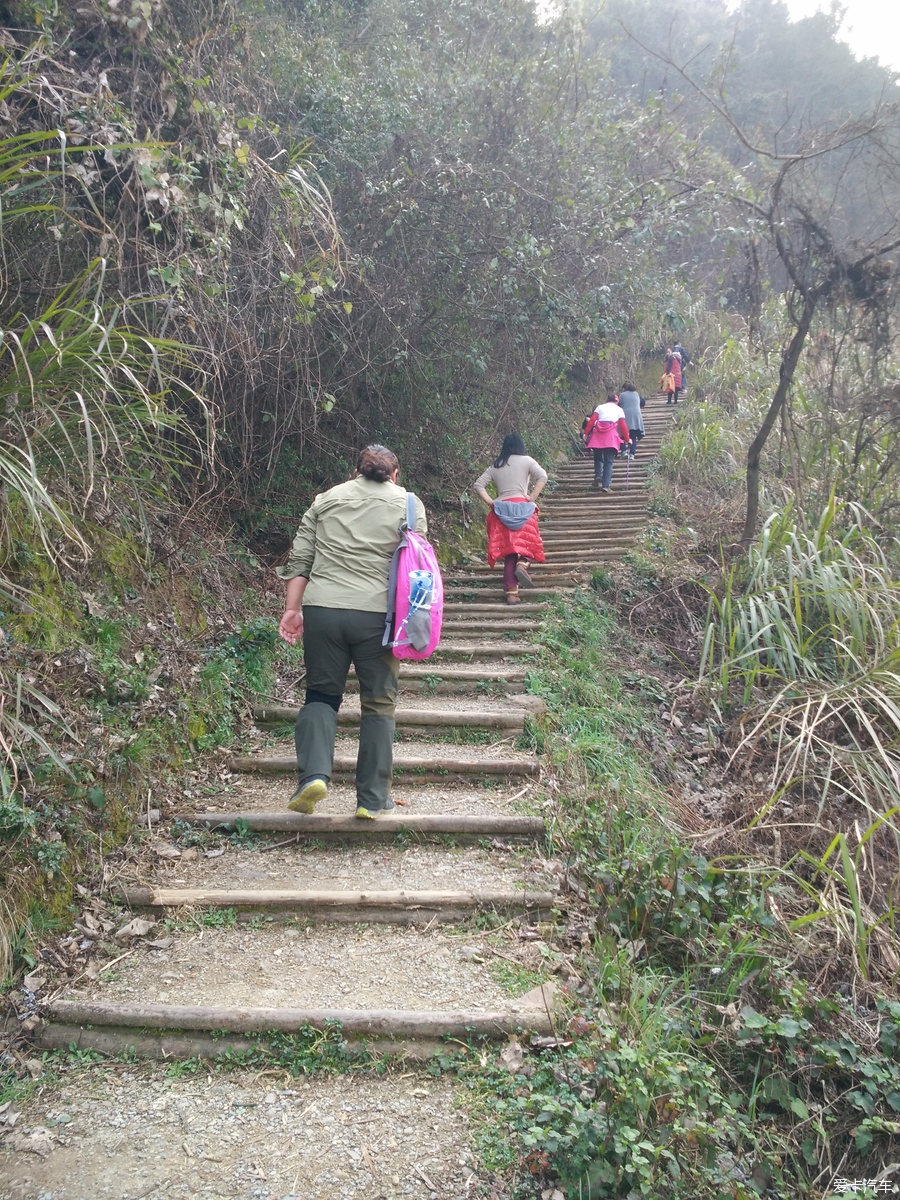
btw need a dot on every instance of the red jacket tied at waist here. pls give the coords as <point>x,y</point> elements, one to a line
<point>525,541</point>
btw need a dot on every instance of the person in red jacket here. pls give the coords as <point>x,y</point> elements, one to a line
<point>673,368</point>
<point>605,432</point>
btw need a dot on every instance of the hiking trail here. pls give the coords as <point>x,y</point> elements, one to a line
<point>407,930</point>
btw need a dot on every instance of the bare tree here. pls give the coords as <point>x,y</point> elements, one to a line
<point>830,209</point>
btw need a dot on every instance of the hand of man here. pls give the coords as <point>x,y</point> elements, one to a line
<point>291,626</point>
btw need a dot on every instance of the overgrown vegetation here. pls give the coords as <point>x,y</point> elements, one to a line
<point>701,1060</point>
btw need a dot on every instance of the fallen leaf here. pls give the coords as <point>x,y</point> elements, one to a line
<point>138,927</point>
<point>512,1056</point>
<point>34,981</point>
<point>214,853</point>
<point>166,850</point>
<point>89,923</point>
<point>34,1067</point>
<point>161,944</point>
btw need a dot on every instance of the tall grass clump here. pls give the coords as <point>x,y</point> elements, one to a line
<point>802,652</point>
<point>702,448</point>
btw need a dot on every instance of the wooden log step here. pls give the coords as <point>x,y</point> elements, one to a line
<point>424,768</point>
<point>477,625</point>
<point>421,717</point>
<point>489,590</point>
<point>558,573</point>
<point>485,650</point>
<point>355,1023</point>
<point>582,554</point>
<point>344,905</point>
<point>550,526</point>
<point>453,687</point>
<point>450,671</point>
<point>328,825</point>
<point>558,546</point>
<point>524,607</point>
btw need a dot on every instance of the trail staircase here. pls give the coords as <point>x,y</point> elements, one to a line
<point>456,855</point>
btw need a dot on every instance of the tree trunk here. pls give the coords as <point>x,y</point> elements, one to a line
<point>788,367</point>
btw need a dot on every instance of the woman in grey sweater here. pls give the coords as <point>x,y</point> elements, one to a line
<point>512,523</point>
<point>630,403</point>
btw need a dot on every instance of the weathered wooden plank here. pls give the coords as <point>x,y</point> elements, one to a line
<point>373,1022</point>
<point>300,901</point>
<point>330,825</point>
<point>424,717</point>
<point>282,764</point>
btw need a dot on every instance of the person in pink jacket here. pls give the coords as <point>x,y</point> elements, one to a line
<point>605,432</point>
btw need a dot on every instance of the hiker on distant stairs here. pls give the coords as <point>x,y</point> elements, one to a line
<point>606,432</point>
<point>512,522</point>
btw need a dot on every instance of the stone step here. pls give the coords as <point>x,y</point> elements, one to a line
<point>395,906</point>
<point>417,717</point>
<point>189,1031</point>
<point>434,768</point>
<point>337,827</point>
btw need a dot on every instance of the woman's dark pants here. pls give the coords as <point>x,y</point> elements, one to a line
<point>333,638</point>
<point>604,457</point>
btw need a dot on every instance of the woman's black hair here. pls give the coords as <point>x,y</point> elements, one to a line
<point>512,444</point>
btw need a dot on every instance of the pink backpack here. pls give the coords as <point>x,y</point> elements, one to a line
<point>415,594</point>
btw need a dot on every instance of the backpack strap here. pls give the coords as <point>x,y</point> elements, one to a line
<point>411,515</point>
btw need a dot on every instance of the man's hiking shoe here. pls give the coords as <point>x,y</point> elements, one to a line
<point>372,814</point>
<point>367,814</point>
<point>595,484</point>
<point>308,794</point>
<point>605,491</point>
<point>523,577</point>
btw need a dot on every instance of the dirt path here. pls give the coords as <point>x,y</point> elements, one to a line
<point>404,933</point>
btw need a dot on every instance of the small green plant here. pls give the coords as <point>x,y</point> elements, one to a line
<point>243,835</point>
<point>218,918</point>
<point>430,684</point>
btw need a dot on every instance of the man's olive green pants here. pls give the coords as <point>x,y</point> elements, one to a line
<point>333,638</point>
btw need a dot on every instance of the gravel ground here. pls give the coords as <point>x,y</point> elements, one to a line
<point>350,867</point>
<point>119,1133</point>
<point>303,966</point>
<point>270,793</point>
